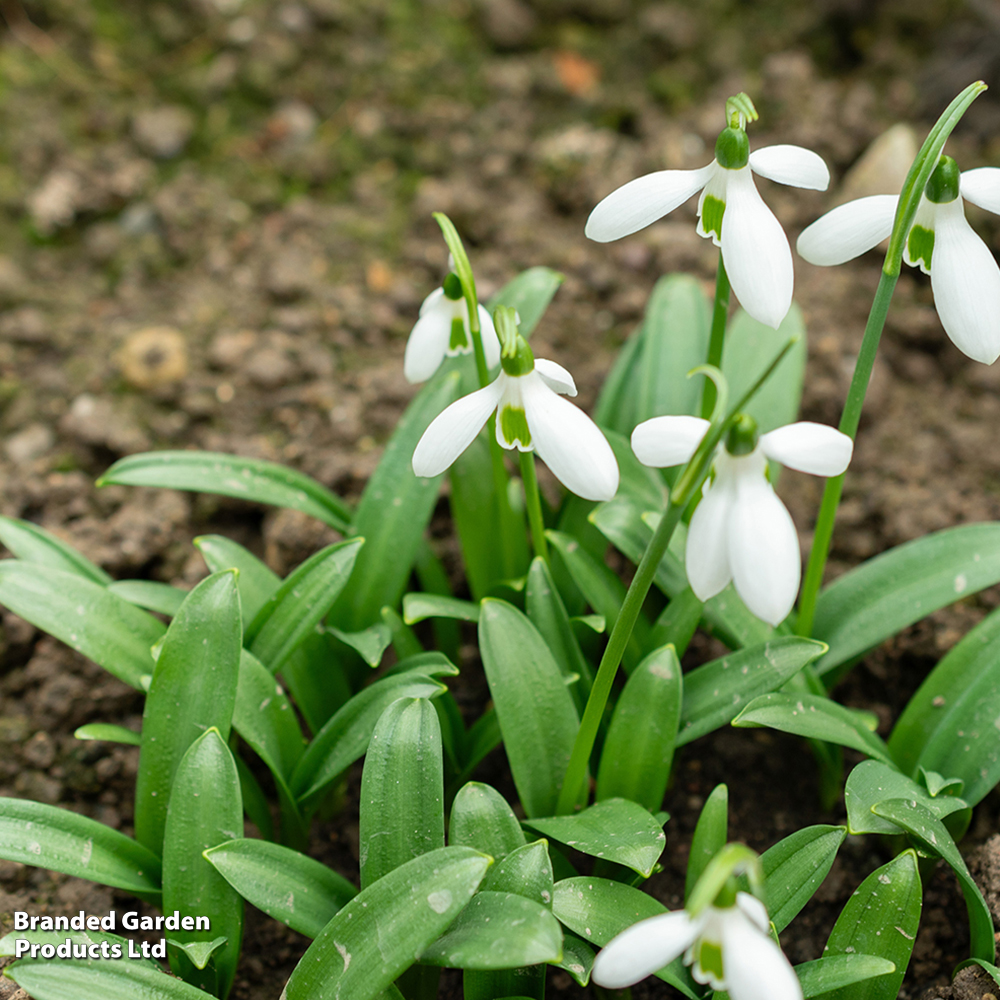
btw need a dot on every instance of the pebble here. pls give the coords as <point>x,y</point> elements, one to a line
<point>29,443</point>
<point>26,325</point>
<point>270,367</point>
<point>289,273</point>
<point>507,23</point>
<point>154,357</point>
<point>53,204</point>
<point>163,132</point>
<point>228,349</point>
<point>882,167</point>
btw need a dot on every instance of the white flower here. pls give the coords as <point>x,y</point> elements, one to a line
<point>964,275</point>
<point>755,250</point>
<point>531,417</point>
<point>728,948</point>
<point>741,531</point>
<point>443,329</point>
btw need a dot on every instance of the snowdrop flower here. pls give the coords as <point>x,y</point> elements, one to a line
<point>964,275</point>
<point>443,329</point>
<point>741,531</point>
<point>531,416</point>
<point>755,250</point>
<point>729,948</point>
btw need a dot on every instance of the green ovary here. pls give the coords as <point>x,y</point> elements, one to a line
<point>514,426</point>
<point>712,210</point>
<point>459,341</point>
<point>920,244</point>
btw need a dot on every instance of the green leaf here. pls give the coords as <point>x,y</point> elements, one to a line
<point>109,733</point>
<point>872,782</point>
<point>89,939</point>
<point>598,909</point>
<point>294,610</point>
<point>617,403</point>
<point>816,717</point>
<point>255,803</point>
<point>33,544</point>
<point>614,830</point>
<point>198,953</point>
<point>288,886</point>
<point>370,643</point>
<point>402,789</point>
<point>881,918</point>
<point>639,485</point>
<point>530,294</point>
<point>256,581</point>
<point>639,747</point>
<point>933,836</point>
<point>536,712</point>
<point>882,596</point>
<point>715,693</point>
<point>481,818</point>
<point>795,867</point>
<point>947,725</point>
<point>392,514</point>
<point>419,606</point>
<point>346,736</point>
<point>835,972</point>
<point>193,689</point>
<point>578,958</point>
<point>710,836</point>
<point>317,679</point>
<point>47,837</point>
<point>526,871</point>
<point>498,930</point>
<point>376,935</point>
<point>84,980</point>
<point>251,479</point>
<point>149,594</point>
<point>84,615</point>
<point>206,809</point>
<point>987,967</point>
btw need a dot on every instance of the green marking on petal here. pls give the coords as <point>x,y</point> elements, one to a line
<point>709,959</point>
<point>712,210</point>
<point>514,426</point>
<point>920,244</point>
<point>459,340</point>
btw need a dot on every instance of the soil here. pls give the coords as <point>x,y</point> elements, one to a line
<point>215,218</point>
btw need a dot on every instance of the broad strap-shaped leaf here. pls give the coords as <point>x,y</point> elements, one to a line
<point>109,733</point>
<point>193,689</point>
<point>678,622</point>
<point>481,818</point>
<point>205,810</point>
<point>933,836</point>
<point>535,710</point>
<point>33,544</point>
<point>881,918</point>
<point>149,594</point>
<point>317,679</point>
<point>392,514</point>
<point>529,293</point>
<point>640,485</point>
<point>402,789</point>
<point>290,615</point>
<point>85,615</point>
<point>835,972</point>
<point>948,725</point>
<point>379,933</point>
<point>714,694</point>
<point>639,746</point>
<point>291,887</point>
<point>419,606</point>
<point>526,871</point>
<point>346,736</point>
<point>46,837</point>
<point>370,643</point>
<point>882,596</point>
<point>617,404</point>
<point>256,581</point>
<point>97,945</point>
<point>253,479</point>
<point>710,835</point>
<point>578,958</point>
<point>816,717</point>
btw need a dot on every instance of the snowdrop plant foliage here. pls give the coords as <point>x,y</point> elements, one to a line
<point>755,251</point>
<point>740,530</point>
<point>964,275</point>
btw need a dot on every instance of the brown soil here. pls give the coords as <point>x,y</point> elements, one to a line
<point>216,219</point>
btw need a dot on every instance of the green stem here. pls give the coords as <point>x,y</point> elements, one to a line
<point>717,338</point>
<point>848,425</point>
<point>509,523</point>
<point>533,501</point>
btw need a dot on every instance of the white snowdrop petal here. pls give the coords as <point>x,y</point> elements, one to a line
<point>965,280</point>
<point>763,549</point>
<point>982,187</point>
<point>641,202</point>
<point>428,342</point>
<point>454,429</point>
<point>809,447</point>
<point>665,441</point>
<point>755,967</point>
<point>643,949</point>
<point>792,165</point>
<point>555,377</point>
<point>491,345</point>
<point>431,300</point>
<point>706,558</point>
<point>569,442</point>
<point>755,251</point>
<point>848,231</point>
<point>754,909</point>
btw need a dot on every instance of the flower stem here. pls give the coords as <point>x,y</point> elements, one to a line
<point>849,420</point>
<point>717,338</point>
<point>533,502</point>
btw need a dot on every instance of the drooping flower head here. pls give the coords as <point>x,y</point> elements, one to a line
<point>740,530</point>
<point>755,250</point>
<point>964,275</point>
<point>531,416</point>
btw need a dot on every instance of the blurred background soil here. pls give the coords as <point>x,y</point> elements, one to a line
<point>215,232</point>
